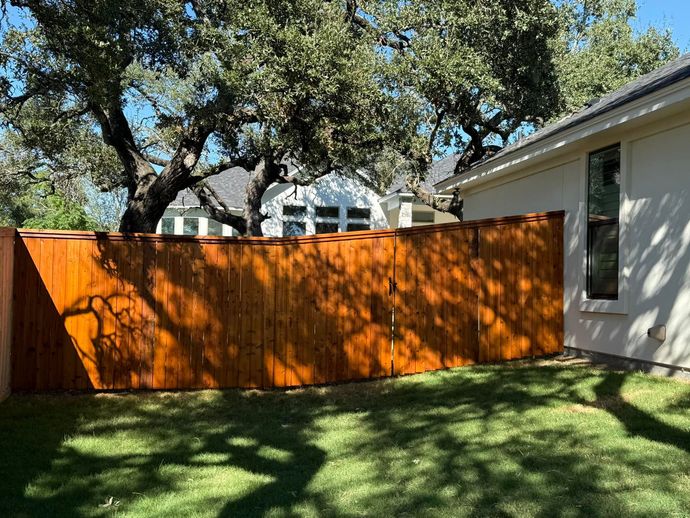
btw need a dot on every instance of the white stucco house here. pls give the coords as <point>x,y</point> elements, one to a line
<point>334,203</point>
<point>620,168</point>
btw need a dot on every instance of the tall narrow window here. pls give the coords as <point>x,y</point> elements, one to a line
<point>190,226</point>
<point>603,208</point>
<point>168,226</point>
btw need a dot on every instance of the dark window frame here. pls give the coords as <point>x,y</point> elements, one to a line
<point>166,220</point>
<point>214,224</point>
<point>357,227</point>
<point>596,224</point>
<point>321,224</point>
<point>185,219</point>
<point>295,211</point>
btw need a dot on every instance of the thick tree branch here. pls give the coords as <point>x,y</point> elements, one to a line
<point>156,160</point>
<point>452,206</point>
<point>215,206</point>
<point>117,133</point>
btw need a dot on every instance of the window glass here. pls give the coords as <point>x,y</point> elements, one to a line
<point>422,216</point>
<point>168,226</point>
<point>357,226</point>
<point>294,210</point>
<point>215,228</point>
<point>326,228</point>
<point>358,213</point>
<point>327,212</point>
<point>190,226</point>
<point>603,207</point>
<point>294,228</point>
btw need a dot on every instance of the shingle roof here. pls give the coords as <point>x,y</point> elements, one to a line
<point>440,170</point>
<point>230,185</point>
<point>662,77</point>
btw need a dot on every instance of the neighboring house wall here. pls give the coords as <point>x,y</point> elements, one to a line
<point>404,210</point>
<point>335,198</point>
<point>654,269</point>
<point>327,192</point>
<point>191,221</point>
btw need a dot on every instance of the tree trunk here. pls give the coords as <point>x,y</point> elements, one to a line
<point>145,210</point>
<point>264,176</point>
<point>151,196</point>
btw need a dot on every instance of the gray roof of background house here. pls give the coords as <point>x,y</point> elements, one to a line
<point>440,170</point>
<point>230,185</point>
<point>664,76</point>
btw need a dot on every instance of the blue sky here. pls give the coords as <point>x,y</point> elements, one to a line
<point>674,14</point>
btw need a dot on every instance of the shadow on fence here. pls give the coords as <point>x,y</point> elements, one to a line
<point>111,311</point>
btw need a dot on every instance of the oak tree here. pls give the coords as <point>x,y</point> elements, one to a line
<point>182,90</point>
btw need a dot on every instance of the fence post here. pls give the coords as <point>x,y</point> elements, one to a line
<point>7,238</point>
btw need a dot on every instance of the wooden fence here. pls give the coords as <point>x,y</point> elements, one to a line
<point>113,311</point>
<point>7,237</point>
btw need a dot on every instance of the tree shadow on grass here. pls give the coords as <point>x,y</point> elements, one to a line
<point>495,440</point>
<point>138,448</point>
<point>636,421</point>
<point>31,435</point>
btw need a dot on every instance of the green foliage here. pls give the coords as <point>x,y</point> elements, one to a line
<point>56,213</point>
<point>462,73</point>
<point>179,90</point>
<point>599,51</point>
<point>152,96</point>
<point>51,174</point>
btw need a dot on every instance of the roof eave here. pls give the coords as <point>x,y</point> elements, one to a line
<point>511,162</point>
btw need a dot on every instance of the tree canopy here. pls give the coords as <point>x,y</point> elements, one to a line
<point>181,90</point>
<point>152,97</point>
<point>471,77</point>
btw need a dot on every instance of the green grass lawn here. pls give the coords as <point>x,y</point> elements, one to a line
<point>540,439</point>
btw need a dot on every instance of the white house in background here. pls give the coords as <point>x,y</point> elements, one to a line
<point>620,168</point>
<point>334,203</point>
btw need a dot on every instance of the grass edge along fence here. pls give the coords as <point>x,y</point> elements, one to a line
<point>111,311</point>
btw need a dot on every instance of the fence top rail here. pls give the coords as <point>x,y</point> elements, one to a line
<point>478,223</point>
<point>296,240</point>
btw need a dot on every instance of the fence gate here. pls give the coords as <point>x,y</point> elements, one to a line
<point>481,291</point>
<point>436,302</point>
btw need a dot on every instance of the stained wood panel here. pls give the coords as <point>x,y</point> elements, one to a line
<point>113,311</point>
<point>486,291</point>
<point>7,274</point>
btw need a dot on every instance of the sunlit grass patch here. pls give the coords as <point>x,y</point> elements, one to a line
<point>524,439</point>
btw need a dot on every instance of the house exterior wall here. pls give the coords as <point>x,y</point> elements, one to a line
<point>404,210</point>
<point>329,191</point>
<point>654,241</point>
